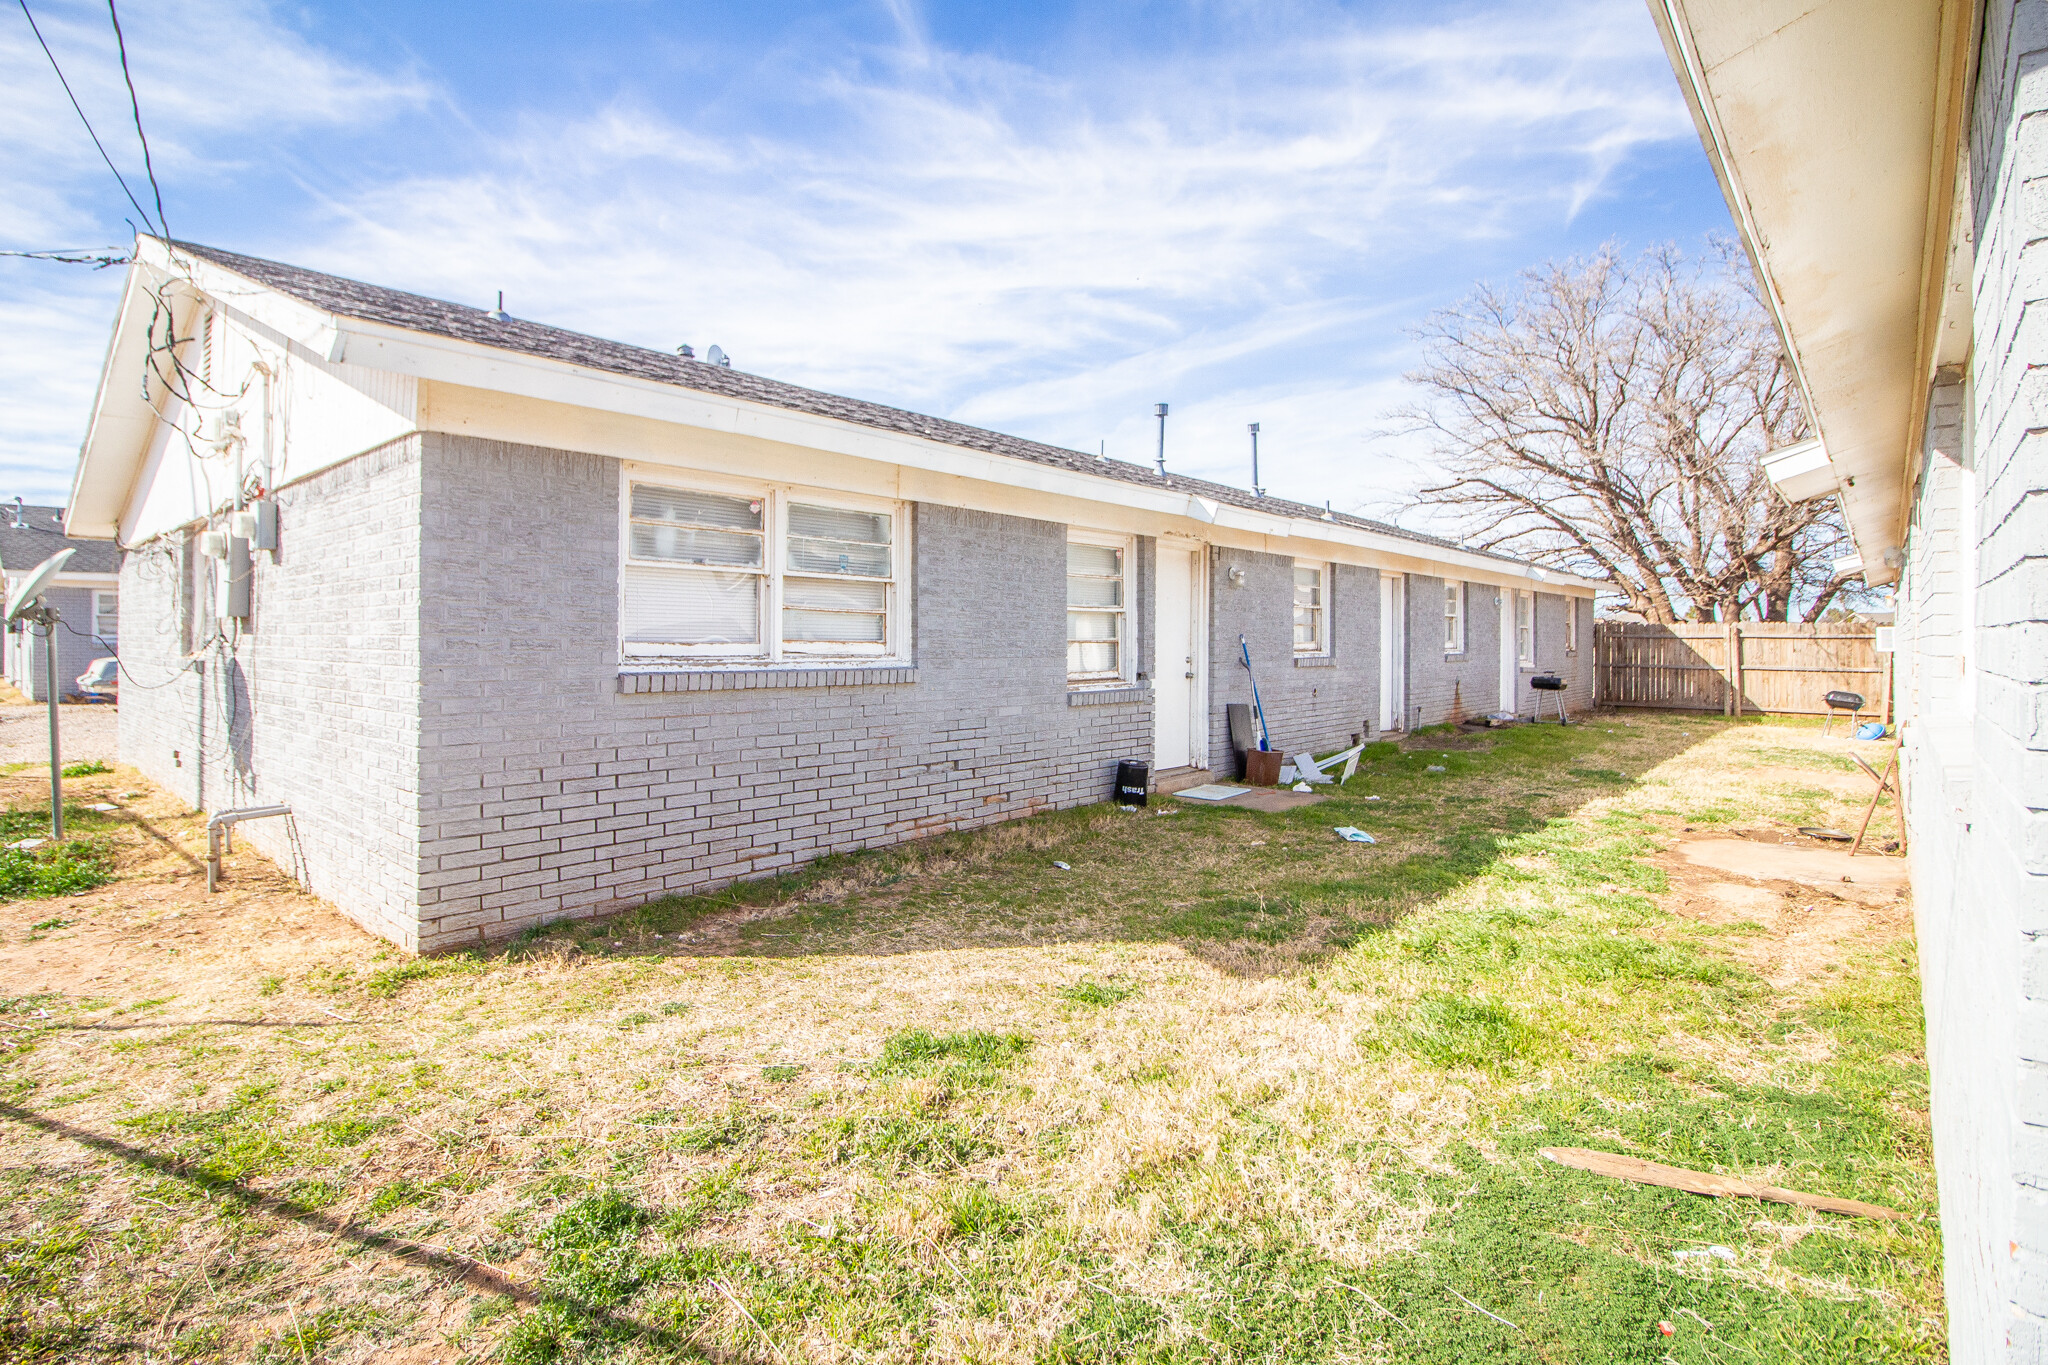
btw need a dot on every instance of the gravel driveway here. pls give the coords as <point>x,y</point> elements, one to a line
<point>86,733</point>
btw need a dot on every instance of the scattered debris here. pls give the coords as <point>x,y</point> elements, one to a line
<point>1435,768</point>
<point>1372,798</point>
<point>1704,1182</point>
<point>1831,835</point>
<point>25,844</point>
<point>103,806</point>
<point>1719,1253</point>
<point>1303,786</point>
<point>1477,1309</point>
<point>1063,867</point>
<point>1214,791</point>
<point>1355,835</point>
<point>1667,1329</point>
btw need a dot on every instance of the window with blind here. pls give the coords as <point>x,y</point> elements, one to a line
<point>754,576</point>
<point>1311,616</point>
<point>1454,618</point>
<point>106,615</point>
<point>1095,611</point>
<point>1525,628</point>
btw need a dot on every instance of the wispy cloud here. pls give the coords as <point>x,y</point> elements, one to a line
<point>1241,228</point>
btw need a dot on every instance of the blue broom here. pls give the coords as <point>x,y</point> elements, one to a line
<point>1258,707</point>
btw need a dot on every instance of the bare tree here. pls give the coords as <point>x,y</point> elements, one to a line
<point>1607,418</point>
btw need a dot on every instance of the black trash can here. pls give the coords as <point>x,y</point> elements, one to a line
<point>1132,782</point>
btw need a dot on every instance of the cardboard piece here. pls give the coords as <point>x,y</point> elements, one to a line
<point>1705,1182</point>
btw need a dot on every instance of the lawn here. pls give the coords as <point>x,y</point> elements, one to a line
<point>1224,1088</point>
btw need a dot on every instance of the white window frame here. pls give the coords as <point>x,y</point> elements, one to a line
<point>99,597</point>
<point>1126,613</point>
<point>1454,616</point>
<point>770,650</point>
<point>1525,629</point>
<point>1320,647</point>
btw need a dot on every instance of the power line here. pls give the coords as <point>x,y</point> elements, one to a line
<point>136,105</point>
<point>99,258</point>
<point>33,27</point>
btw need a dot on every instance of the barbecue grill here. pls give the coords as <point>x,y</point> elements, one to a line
<point>1838,702</point>
<point>1555,686</point>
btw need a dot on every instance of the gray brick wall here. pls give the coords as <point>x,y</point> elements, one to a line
<point>1457,686</point>
<point>547,792</point>
<point>1975,592</point>
<point>1315,704</point>
<point>1575,667</point>
<point>316,704</point>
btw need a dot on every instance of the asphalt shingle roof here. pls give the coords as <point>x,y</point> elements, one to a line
<point>414,312</point>
<point>42,535</point>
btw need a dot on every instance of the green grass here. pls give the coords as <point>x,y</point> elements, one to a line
<point>1230,1089</point>
<point>92,769</point>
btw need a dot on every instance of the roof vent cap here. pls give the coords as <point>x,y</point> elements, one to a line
<point>687,351</point>
<point>499,314</point>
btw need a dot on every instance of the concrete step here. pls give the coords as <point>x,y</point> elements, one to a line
<point>1172,780</point>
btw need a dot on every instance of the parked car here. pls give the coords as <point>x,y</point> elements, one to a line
<point>101,679</point>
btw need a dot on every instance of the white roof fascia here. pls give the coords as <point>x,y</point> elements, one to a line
<point>472,365</point>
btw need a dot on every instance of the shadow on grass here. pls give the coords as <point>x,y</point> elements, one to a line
<point>1253,893</point>
<point>452,1265</point>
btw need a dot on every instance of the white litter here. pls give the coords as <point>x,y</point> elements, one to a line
<point>1434,768</point>
<point>103,806</point>
<point>1719,1253</point>
<point>1063,867</point>
<point>1372,798</point>
<point>1214,791</point>
<point>1356,836</point>
<point>1304,786</point>
<point>28,843</point>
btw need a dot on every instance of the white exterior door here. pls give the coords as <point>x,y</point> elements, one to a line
<point>1508,659</point>
<point>1174,672</point>
<point>1393,650</point>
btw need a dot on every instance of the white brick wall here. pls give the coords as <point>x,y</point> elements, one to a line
<point>317,704</point>
<point>1973,696</point>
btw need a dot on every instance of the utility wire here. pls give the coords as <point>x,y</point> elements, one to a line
<point>86,121</point>
<point>133,103</point>
<point>114,654</point>
<point>99,258</point>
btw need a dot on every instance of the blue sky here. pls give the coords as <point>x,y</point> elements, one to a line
<point>1040,218</point>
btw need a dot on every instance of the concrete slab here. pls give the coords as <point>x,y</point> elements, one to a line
<point>1794,863</point>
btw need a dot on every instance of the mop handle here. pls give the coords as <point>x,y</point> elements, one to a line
<point>1258,707</point>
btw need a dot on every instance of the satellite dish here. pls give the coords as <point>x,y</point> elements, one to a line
<point>32,586</point>
<point>717,356</point>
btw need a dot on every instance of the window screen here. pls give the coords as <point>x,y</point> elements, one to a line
<point>1095,610</point>
<point>694,567</point>
<point>839,563</point>
<point>1310,617</point>
<point>1454,618</point>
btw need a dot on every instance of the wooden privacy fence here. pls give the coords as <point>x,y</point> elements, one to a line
<point>1774,667</point>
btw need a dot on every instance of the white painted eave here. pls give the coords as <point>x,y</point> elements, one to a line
<point>1802,471</point>
<point>1830,127</point>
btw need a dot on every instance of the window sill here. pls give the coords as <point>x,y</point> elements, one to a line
<point>1454,656</point>
<point>1314,661</point>
<point>1106,694</point>
<point>634,679</point>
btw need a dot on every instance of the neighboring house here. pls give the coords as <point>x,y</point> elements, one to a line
<point>1884,160</point>
<point>554,626</point>
<point>85,596</point>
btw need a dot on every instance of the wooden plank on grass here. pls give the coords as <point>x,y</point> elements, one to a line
<point>1705,1182</point>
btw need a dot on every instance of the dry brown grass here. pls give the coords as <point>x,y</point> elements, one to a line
<point>1286,1091</point>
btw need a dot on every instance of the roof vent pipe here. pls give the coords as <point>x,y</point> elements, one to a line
<point>1159,411</point>
<point>499,314</point>
<point>1257,491</point>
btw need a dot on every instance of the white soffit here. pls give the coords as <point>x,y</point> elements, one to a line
<point>1822,124</point>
